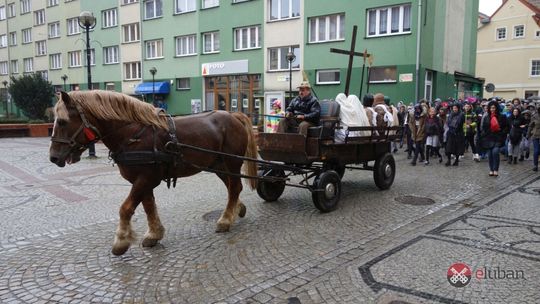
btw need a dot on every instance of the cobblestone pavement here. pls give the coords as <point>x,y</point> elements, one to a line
<point>58,225</point>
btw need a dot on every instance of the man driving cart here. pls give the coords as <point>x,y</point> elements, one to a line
<point>303,112</point>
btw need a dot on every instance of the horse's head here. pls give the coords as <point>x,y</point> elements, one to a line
<point>71,133</point>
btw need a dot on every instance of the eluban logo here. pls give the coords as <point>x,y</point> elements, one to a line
<point>459,275</point>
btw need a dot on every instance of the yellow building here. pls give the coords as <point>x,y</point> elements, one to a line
<point>508,49</point>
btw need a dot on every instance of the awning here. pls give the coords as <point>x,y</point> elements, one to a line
<point>153,87</point>
<point>468,78</point>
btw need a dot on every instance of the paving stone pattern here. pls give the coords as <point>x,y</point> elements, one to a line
<point>58,225</point>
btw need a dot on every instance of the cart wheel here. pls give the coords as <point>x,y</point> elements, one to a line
<point>384,171</point>
<point>327,190</point>
<point>270,191</point>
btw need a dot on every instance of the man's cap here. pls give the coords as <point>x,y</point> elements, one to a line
<point>304,84</point>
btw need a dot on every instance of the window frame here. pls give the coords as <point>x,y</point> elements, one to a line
<point>70,59</point>
<point>339,29</point>
<point>280,56</point>
<point>14,66</point>
<point>537,60</point>
<point>105,16</point>
<point>106,54</point>
<point>41,48</point>
<point>178,81</point>
<point>279,10</point>
<point>186,2</point>
<point>92,57</point>
<point>12,39</point>
<point>186,37</point>
<point>384,81</point>
<point>52,60</point>
<point>319,82</point>
<point>158,47</point>
<point>523,31</point>
<point>207,7</point>
<point>497,33</point>
<point>137,32</point>
<point>4,41</point>
<point>51,3</point>
<point>128,2</point>
<point>212,42</point>
<point>4,65</point>
<point>28,60</point>
<point>389,11</point>
<point>26,6</point>
<point>3,12</point>
<point>11,10</point>
<point>39,17</point>
<point>69,25</point>
<point>137,70</point>
<point>249,38</point>
<point>57,26</point>
<point>145,17</point>
<point>29,31</point>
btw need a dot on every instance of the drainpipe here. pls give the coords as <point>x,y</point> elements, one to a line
<point>418,39</point>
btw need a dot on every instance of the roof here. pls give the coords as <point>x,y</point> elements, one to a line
<point>533,5</point>
<point>153,87</point>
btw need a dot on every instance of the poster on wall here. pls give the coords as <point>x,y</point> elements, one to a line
<point>196,106</point>
<point>271,98</point>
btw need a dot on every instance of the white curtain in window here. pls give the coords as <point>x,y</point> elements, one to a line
<point>395,19</point>
<point>333,27</point>
<point>406,18</point>
<point>383,21</point>
<point>372,22</point>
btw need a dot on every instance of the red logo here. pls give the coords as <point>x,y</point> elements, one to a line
<point>459,275</point>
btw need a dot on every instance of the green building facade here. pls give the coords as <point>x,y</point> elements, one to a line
<point>231,54</point>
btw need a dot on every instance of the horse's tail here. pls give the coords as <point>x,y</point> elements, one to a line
<point>250,167</point>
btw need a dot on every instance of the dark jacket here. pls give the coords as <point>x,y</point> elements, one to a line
<point>455,137</point>
<point>433,126</point>
<point>516,132</point>
<point>533,131</point>
<point>307,106</point>
<point>491,139</point>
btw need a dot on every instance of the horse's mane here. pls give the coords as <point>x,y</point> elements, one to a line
<point>109,105</point>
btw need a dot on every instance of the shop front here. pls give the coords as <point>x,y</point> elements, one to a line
<point>228,86</point>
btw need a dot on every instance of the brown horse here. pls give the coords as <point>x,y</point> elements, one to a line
<point>126,125</point>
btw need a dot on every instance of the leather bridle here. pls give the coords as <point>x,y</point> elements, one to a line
<point>91,133</point>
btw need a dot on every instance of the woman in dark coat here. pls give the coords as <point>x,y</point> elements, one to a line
<point>455,138</point>
<point>493,131</point>
<point>517,126</point>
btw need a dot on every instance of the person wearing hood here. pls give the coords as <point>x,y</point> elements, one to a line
<point>533,134</point>
<point>469,129</point>
<point>524,147</point>
<point>517,127</point>
<point>455,139</point>
<point>433,129</point>
<point>416,124</point>
<point>494,128</point>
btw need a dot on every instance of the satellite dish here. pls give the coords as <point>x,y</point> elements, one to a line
<point>490,87</point>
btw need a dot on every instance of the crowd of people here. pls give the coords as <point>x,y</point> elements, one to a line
<point>488,128</point>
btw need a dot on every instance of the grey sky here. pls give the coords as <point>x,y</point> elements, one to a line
<point>488,7</point>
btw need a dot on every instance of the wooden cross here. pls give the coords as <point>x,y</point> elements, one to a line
<point>351,54</point>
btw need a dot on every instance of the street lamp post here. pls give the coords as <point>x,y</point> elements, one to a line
<point>153,71</point>
<point>290,58</point>
<point>64,78</point>
<point>87,21</point>
<point>6,96</point>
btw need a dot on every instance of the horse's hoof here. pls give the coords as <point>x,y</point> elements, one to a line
<point>242,211</point>
<point>149,242</point>
<point>222,227</point>
<point>119,250</point>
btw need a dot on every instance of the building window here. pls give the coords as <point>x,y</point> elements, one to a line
<point>124,2</point>
<point>74,59</point>
<point>27,35</point>
<point>537,35</point>
<point>210,3</point>
<point>2,12</point>
<point>326,28</point>
<point>28,65</point>
<point>154,49</point>
<point>110,54</point>
<point>73,26</point>
<point>14,66</point>
<point>186,45</point>
<point>13,38</point>
<point>501,33</point>
<point>153,9</point>
<point>44,74</point>
<point>52,2</point>
<point>109,18</point>
<point>211,42</point>
<point>3,68</point>
<point>184,6</point>
<point>132,70</point>
<point>386,21</point>
<point>109,86</point>
<point>328,77</point>
<point>39,17</point>
<point>386,74</point>
<point>183,84</point>
<point>55,61</point>
<point>92,57</point>
<point>247,38</point>
<point>11,10</point>
<point>519,31</point>
<point>131,32</point>
<point>54,29</point>
<point>41,48</point>
<point>284,9</point>
<point>535,68</point>
<point>3,41</point>
<point>25,6</point>
<point>277,58</point>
